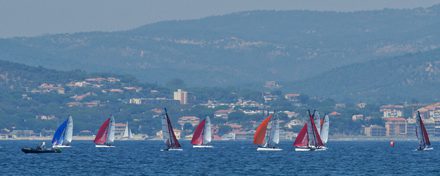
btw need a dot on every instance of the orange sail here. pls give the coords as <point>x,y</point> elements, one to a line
<point>260,134</point>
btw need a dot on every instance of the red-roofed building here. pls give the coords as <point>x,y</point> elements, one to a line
<point>396,126</point>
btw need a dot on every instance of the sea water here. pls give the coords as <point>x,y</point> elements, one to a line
<point>227,158</point>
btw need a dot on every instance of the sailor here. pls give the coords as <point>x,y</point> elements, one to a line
<point>42,146</point>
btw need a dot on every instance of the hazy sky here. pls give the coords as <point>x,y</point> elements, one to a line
<point>37,17</point>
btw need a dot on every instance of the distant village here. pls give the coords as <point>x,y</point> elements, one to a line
<point>395,122</point>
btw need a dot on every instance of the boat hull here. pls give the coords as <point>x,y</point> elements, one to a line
<point>172,149</point>
<point>268,149</point>
<point>425,149</point>
<point>104,146</point>
<point>61,146</point>
<point>310,149</point>
<point>32,150</point>
<point>203,146</point>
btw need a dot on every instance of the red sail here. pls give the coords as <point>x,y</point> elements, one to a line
<point>425,133</point>
<point>174,142</point>
<point>260,134</point>
<point>101,137</point>
<point>315,131</point>
<point>302,140</point>
<point>197,138</point>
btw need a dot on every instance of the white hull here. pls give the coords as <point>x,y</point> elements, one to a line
<point>310,149</point>
<point>203,146</point>
<point>426,149</point>
<point>104,146</point>
<point>61,146</point>
<point>268,149</point>
<point>171,149</point>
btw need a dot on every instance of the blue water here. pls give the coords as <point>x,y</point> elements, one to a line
<point>228,158</point>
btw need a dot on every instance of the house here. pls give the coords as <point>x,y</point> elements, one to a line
<point>193,120</point>
<point>396,126</point>
<point>292,97</point>
<point>223,113</point>
<point>374,131</point>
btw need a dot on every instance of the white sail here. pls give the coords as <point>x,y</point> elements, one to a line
<point>318,122</point>
<point>130,135</point>
<point>165,131</point>
<point>111,131</point>
<point>275,132</point>
<point>207,134</point>
<point>69,132</point>
<point>125,135</point>
<point>325,129</point>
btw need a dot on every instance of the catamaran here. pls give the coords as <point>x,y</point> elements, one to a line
<point>168,136</point>
<point>106,134</point>
<point>422,135</point>
<point>127,133</point>
<point>273,136</point>
<point>308,138</point>
<point>63,135</point>
<point>202,135</point>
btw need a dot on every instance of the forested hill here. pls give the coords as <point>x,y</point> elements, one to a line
<point>237,48</point>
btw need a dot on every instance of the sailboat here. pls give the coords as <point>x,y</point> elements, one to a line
<point>273,136</point>
<point>422,134</point>
<point>127,133</point>
<point>63,135</point>
<point>308,138</point>
<point>106,134</point>
<point>202,135</point>
<point>168,136</point>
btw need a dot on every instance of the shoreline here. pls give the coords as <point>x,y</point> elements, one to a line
<point>331,138</point>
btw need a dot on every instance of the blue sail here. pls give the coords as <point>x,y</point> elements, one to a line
<point>58,137</point>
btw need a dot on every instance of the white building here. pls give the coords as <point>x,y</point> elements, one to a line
<point>181,96</point>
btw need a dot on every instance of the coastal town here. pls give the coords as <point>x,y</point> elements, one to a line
<point>234,119</point>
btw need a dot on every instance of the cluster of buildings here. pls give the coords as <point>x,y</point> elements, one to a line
<point>397,125</point>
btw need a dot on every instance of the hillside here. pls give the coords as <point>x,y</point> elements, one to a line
<point>412,77</point>
<point>238,48</point>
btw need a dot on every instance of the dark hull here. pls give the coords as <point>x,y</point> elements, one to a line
<point>31,150</point>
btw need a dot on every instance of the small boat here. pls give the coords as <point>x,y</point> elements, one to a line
<point>202,135</point>
<point>308,138</point>
<point>40,149</point>
<point>269,144</point>
<point>63,135</point>
<point>106,134</point>
<point>422,135</point>
<point>34,150</point>
<point>127,133</point>
<point>168,136</point>
<point>392,143</point>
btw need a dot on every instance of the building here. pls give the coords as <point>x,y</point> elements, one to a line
<point>181,96</point>
<point>136,101</point>
<point>374,131</point>
<point>292,97</point>
<point>357,117</point>
<point>193,120</point>
<point>119,129</point>
<point>430,125</point>
<point>396,126</point>
<point>430,111</point>
<point>392,111</point>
